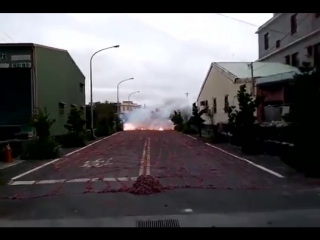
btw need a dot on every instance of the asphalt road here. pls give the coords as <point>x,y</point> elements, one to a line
<point>91,184</point>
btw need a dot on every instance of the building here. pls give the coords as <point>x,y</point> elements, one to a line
<point>222,82</point>
<point>35,76</point>
<point>128,106</point>
<point>290,38</point>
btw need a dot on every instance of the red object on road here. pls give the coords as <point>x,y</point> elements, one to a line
<point>8,154</point>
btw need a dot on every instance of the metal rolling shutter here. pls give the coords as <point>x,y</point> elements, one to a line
<point>15,96</point>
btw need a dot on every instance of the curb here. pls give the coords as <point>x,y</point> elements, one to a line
<point>241,158</point>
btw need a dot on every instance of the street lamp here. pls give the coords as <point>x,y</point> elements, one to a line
<point>131,94</point>
<point>91,98</point>
<point>118,103</point>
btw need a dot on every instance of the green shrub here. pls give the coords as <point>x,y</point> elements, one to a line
<point>43,146</point>
<point>179,127</point>
<point>39,149</point>
<point>105,128</point>
<point>76,136</point>
<point>71,140</point>
<point>189,130</point>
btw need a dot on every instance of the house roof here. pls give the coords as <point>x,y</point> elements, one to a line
<point>240,71</point>
<point>268,22</point>
<point>42,46</point>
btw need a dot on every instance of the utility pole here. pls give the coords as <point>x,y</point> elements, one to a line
<point>252,79</point>
<point>187,94</point>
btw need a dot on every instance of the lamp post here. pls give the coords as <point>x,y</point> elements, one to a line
<point>91,97</point>
<point>131,94</point>
<point>118,103</point>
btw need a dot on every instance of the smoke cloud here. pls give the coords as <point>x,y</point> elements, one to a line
<point>157,117</point>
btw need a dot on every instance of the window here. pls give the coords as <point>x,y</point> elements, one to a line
<point>61,108</point>
<point>287,59</point>
<point>81,86</point>
<point>266,41</point>
<point>317,15</point>
<point>293,22</point>
<point>226,103</point>
<point>277,43</point>
<point>295,60</point>
<point>204,103</point>
<point>214,105</point>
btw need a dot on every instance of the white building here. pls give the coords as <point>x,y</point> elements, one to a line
<point>222,82</point>
<point>128,106</point>
<point>290,38</point>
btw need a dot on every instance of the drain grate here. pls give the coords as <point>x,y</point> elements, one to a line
<point>173,223</point>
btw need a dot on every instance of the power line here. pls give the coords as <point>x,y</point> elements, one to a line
<point>288,33</point>
<point>8,36</point>
<point>248,23</point>
<point>238,20</point>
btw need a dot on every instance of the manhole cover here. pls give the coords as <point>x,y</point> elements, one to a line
<point>174,223</point>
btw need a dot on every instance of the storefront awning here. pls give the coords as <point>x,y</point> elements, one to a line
<point>276,77</point>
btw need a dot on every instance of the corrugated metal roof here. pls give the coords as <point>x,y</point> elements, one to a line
<point>30,45</point>
<point>241,70</point>
<point>260,69</point>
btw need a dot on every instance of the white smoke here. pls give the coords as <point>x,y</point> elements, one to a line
<point>143,118</point>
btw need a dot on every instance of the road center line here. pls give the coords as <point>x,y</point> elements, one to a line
<point>55,160</point>
<point>245,160</point>
<point>148,158</point>
<point>143,157</point>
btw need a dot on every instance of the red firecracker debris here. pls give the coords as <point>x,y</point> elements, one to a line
<point>146,185</point>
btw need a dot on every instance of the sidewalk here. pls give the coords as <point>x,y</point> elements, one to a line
<point>272,162</point>
<point>10,170</point>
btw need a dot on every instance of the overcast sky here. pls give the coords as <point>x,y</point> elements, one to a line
<point>167,54</point>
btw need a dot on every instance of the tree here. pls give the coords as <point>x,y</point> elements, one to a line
<point>214,131</point>
<point>196,118</point>
<point>42,123</point>
<point>43,146</point>
<point>305,120</point>
<point>75,122</point>
<point>242,119</point>
<point>76,136</point>
<point>176,118</point>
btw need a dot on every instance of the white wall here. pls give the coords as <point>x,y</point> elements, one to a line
<point>217,86</point>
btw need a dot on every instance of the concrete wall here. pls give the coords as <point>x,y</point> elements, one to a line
<point>279,29</point>
<point>217,86</point>
<point>58,80</point>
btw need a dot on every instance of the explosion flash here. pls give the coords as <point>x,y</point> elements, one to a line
<point>156,119</point>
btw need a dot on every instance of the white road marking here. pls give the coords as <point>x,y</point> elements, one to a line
<point>55,160</point>
<point>148,158</point>
<point>21,183</point>
<point>187,210</point>
<point>97,163</point>
<point>143,158</point>
<point>191,137</point>
<point>78,180</point>
<point>245,160</point>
